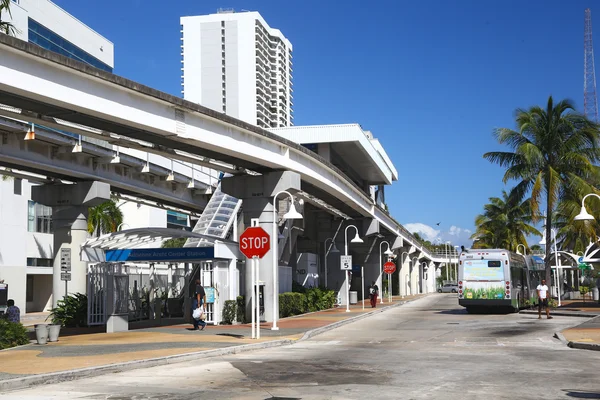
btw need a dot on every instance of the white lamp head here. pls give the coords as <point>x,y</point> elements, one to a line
<point>543,241</point>
<point>388,252</point>
<point>356,239</point>
<point>584,215</point>
<point>292,213</point>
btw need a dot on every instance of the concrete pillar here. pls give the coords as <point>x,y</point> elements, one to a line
<point>257,193</point>
<point>70,205</point>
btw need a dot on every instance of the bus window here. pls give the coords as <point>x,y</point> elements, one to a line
<point>494,264</point>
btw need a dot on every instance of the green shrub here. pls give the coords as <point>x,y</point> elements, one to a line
<point>552,303</point>
<point>241,310</point>
<point>320,299</point>
<point>311,300</point>
<point>584,290</point>
<point>229,311</point>
<point>12,334</point>
<point>70,311</point>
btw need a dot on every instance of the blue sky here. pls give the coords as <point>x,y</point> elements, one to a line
<point>430,79</point>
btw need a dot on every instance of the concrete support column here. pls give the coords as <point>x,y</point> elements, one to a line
<point>70,232</point>
<point>404,264</point>
<point>257,194</point>
<point>70,205</point>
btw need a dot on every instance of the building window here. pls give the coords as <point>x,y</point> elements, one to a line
<point>39,218</point>
<point>39,262</point>
<point>45,38</point>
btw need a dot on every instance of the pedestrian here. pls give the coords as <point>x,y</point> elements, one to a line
<point>542,292</point>
<point>373,293</point>
<point>198,302</point>
<point>13,314</point>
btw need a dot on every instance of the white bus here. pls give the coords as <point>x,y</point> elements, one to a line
<point>491,278</point>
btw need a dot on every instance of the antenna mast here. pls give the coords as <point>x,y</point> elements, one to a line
<point>590,101</point>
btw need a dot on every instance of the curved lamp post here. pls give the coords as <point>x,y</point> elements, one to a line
<point>425,267</point>
<point>388,253</point>
<point>356,239</point>
<point>401,265</point>
<point>524,249</point>
<point>332,249</point>
<point>414,263</point>
<point>291,214</point>
<point>556,273</point>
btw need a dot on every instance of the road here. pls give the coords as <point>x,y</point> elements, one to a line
<point>427,349</point>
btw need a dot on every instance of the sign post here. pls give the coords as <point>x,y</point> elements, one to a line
<point>255,242</point>
<point>65,266</point>
<point>389,268</point>
<point>346,265</point>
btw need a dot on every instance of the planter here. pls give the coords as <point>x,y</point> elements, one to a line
<point>41,333</point>
<point>53,332</point>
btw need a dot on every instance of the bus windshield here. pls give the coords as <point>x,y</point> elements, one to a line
<point>483,270</point>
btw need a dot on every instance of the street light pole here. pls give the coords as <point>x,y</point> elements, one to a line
<point>356,239</point>
<point>414,263</point>
<point>524,249</point>
<point>401,265</point>
<point>388,252</point>
<point>291,214</point>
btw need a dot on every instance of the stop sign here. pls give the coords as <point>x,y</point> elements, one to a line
<point>255,242</point>
<point>389,267</point>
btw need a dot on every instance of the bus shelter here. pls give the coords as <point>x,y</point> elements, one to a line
<point>131,278</point>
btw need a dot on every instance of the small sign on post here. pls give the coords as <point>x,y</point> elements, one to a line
<point>65,276</point>
<point>65,260</point>
<point>255,242</point>
<point>346,263</point>
<point>389,267</point>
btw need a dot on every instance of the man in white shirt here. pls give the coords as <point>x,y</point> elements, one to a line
<point>542,292</point>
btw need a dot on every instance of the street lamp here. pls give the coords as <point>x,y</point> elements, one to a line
<point>388,253</point>
<point>584,215</point>
<point>291,214</point>
<point>356,239</point>
<point>543,243</point>
<point>424,267</point>
<point>414,263</point>
<point>524,249</point>
<point>332,249</point>
<point>401,265</point>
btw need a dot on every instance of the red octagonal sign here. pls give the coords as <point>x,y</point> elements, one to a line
<point>389,267</point>
<point>255,242</point>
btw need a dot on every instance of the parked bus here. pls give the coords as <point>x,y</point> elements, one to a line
<point>497,278</point>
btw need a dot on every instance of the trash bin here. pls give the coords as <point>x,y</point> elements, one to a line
<point>353,297</point>
<point>595,293</point>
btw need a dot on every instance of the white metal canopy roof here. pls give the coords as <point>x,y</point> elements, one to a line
<point>133,238</point>
<point>93,250</point>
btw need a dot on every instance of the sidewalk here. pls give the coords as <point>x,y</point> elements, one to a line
<point>95,353</point>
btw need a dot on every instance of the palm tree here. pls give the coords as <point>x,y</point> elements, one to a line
<point>505,223</point>
<point>554,150</point>
<point>5,26</point>
<point>104,218</point>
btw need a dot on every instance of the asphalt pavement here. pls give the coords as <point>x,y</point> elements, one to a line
<point>427,349</point>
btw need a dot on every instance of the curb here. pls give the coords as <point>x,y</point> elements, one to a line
<point>65,376</point>
<point>584,346</point>
<point>562,314</point>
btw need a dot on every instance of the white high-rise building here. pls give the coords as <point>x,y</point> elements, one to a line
<point>237,64</point>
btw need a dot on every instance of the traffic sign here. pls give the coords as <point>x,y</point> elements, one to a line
<point>255,242</point>
<point>65,260</point>
<point>65,276</point>
<point>346,263</point>
<point>389,267</point>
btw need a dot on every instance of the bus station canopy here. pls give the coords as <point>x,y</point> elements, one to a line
<point>143,245</point>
